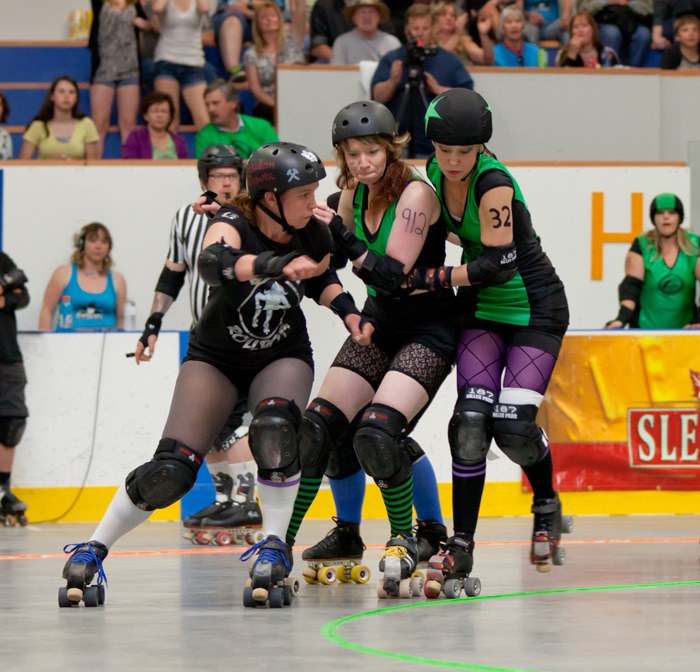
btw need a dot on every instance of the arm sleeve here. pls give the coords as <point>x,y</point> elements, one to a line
<point>490,180</point>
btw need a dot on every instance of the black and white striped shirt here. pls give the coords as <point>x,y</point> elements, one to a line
<point>186,236</point>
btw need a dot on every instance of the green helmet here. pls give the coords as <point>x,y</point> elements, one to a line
<point>366,117</point>
<point>459,117</point>
<point>666,202</point>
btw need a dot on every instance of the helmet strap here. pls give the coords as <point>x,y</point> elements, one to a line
<point>469,174</point>
<point>280,219</point>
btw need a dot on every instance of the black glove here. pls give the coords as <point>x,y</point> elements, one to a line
<point>344,305</point>
<point>13,279</point>
<point>153,324</point>
<point>269,264</point>
<point>346,242</point>
<point>211,198</point>
<point>430,278</point>
<point>625,316</point>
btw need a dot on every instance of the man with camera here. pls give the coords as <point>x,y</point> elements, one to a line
<point>408,78</point>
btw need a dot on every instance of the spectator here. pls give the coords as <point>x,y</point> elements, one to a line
<point>180,56</point>
<point>115,64</point>
<point>13,411</point>
<point>684,52</point>
<point>59,130</point>
<point>450,34</point>
<point>233,29</point>
<point>154,140</point>
<point>5,137</point>
<point>665,14</point>
<point>273,44</point>
<point>399,77</point>
<point>94,294</point>
<point>365,42</point>
<point>547,20</point>
<point>227,126</point>
<point>661,270</point>
<point>585,50</point>
<point>328,22</point>
<point>512,49</point>
<point>624,26</point>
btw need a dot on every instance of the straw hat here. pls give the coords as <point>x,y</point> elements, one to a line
<point>384,13</point>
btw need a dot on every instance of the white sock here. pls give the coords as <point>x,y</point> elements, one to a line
<point>121,517</point>
<point>277,504</point>
<point>247,472</point>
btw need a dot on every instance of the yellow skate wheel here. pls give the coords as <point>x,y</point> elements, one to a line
<point>343,574</point>
<point>327,575</point>
<point>360,574</point>
<point>309,574</point>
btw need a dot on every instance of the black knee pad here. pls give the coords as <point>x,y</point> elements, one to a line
<point>377,443</point>
<point>322,426</point>
<point>12,431</point>
<point>518,435</point>
<point>412,448</point>
<point>470,429</point>
<point>273,435</point>
<point>170,474</point>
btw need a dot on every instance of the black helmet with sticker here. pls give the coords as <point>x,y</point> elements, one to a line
<point>365,117</point>
<point>459,117</point>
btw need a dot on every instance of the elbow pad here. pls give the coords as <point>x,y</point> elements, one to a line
<point>384,274</point>
<point>314,240</point>
<point>217,262</point>
<point>13,279</point>
<point>346,242</point>
<point>170,282</point>
<point>495,266</point>
<point>630,289</point>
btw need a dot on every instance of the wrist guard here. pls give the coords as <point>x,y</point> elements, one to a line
<point>216,264</point>
<point>153,324</point>
<point>13,279</point>
<point>625,316</point>
<point>269,264</point>
<point>495,265</point>
<point>384,274</point>
<point>314,240</point>
<point>170,282</point>
<point>346,242</point>
<point>430,278</point>
<point>344,305</point>
<point>211,198</point>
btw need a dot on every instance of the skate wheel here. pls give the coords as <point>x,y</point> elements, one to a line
<point>452,588</point>
<point>309,574</point>
<point>417,582</point>
<point>253,537</point>
<point>327,576</point>
<point>248,600</point>
<point>202,538</point>
<point>288,595</point>
<point>543,567</point>
<point>472,586</point>
<point>189,535</point>
<point>260,595</point>
<point>91,596</point>
<point>431,589</point>
<point>23,521</point>
<point>293,585</point>
<point>559,556</point>
<point>405,591</point>
<point>360,574</point>
<point>63,600</point>
<point>223,539</point>
<point>276,597</point>
<point>75,595</point>
<point>381,593</point>
<point>567,524</point>
<point>343,574</point>
<point>101,594</point>
<point>239,537</point>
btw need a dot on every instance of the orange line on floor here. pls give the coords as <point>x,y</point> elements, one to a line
<point>240,549</point>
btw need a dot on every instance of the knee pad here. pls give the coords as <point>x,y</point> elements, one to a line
<point>517,434</point>
<point>342,461</point>
<point>412,448</point>
<point>470,432</point>
<point>322,426</point>
<point>377,443</point>
<point>274,433</point>
<point>170,474</point>
<point>12,430</point>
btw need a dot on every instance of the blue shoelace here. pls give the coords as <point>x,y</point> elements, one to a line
<point>85,557</point>
<point>266,554</point>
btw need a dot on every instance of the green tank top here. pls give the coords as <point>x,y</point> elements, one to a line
<point>668,294</point>
<point>509,302</point>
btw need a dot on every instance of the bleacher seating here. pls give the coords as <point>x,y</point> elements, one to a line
<point>28,68</point>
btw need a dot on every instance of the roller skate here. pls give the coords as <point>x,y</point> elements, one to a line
<point>79,571</point>
<point>338,556</point>
<point>11,509</point>
<point>429,534</point>
<point>226,521</point>
<point>449,570</point>
<point>269,580</point>
<point>549,525</point>
<point>398,565</point>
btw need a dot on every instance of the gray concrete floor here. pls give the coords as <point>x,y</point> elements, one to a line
<point>628,598</point>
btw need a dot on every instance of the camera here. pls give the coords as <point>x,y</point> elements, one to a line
<point>416,54</point>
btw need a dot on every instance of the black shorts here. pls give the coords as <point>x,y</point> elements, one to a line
<point>547,339</point>
<point>13,380</point>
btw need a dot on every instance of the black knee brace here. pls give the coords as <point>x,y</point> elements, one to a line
<point>323,424</point>
<point>12,430</point>
<point>469,432</point>
<point>517,434</point>
<point>378,446</point>
<point>274,434</point>
<point>168,476</point>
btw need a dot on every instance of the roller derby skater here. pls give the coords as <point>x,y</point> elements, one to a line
<point>268,243</point>
<point>13,410</point>
<point>549,524</point>
<point>79,571</point>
